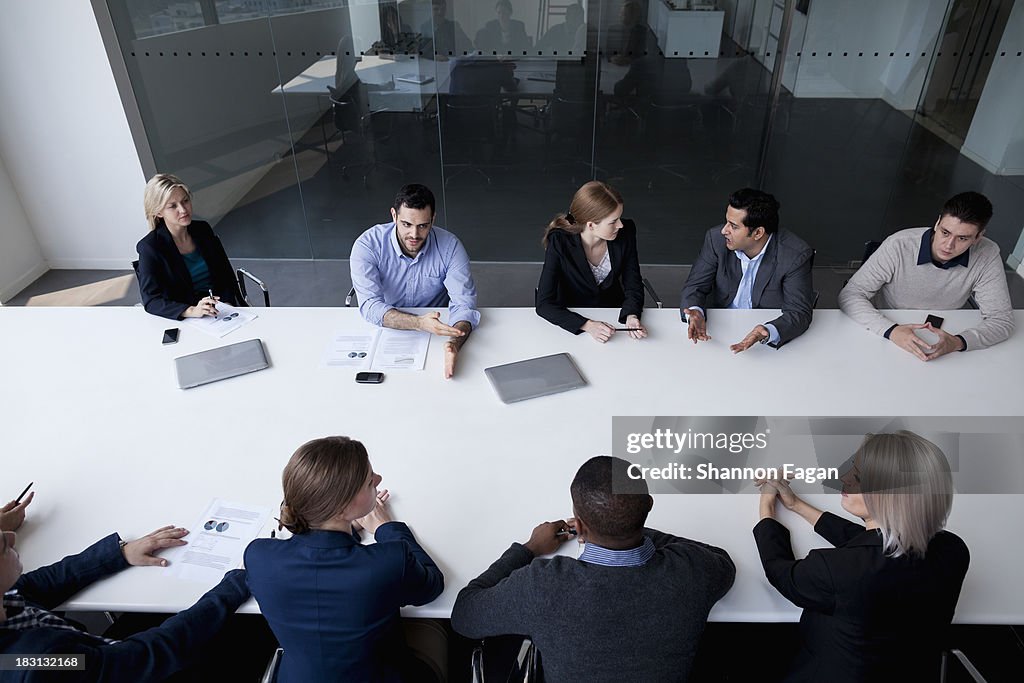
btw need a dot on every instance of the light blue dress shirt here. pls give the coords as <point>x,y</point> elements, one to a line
<point>744,293</point>
<point>385,278</point>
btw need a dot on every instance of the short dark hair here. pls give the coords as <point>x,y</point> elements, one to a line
<point>969,207</point>
<point>762,209</point>
<point>415,197</point>
<point>607,500</point>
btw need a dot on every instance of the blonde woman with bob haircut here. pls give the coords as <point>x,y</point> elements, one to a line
<point>181,261</point>
<point>590,260</point>
<point>332,602</point>
<point>877,605</point>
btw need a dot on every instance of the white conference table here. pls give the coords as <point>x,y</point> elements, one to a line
<point>91,413</point>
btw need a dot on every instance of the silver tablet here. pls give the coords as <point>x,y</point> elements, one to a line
<point>221,363</point>
<point>535,377</point>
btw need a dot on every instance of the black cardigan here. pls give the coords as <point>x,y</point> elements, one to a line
<point>164,280</point>
<point>567,279</point>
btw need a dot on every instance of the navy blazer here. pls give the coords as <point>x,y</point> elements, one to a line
<point>783,280</point>
<point>164,280</point>
<point>867,617</point>
<point>333,603</point>
<point>152,655</point>
<point>567,279</point>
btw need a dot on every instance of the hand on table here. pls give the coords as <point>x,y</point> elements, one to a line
<point>696,326</point>
<point>431,322</point>
<point>600,331</point>
<point>12,515</point>
<point>753,337</point>
<point>948,343</point>
<point>633,322</point>
<point>777,489</point>
<point>546,538</point>
<point>380,514</point>
<point>142,551</point>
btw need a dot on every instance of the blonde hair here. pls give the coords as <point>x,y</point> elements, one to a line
<point>907,488</point>
<point>158,190</point>
<point>592,202</point>
<point>320,480</point>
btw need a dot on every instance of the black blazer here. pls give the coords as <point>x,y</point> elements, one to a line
<point>164,281</point>
<point>866,617</point>
<point>568,281</point>
<point>783,280</point>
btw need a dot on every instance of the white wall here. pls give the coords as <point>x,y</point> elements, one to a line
<point>996,137</point>
<point>64,137</point>
<point>21,260</point>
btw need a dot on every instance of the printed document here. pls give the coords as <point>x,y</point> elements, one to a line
<point>351,350</point>
<point>217,541</point>
<point>227,321</point>
<point>401,350</point>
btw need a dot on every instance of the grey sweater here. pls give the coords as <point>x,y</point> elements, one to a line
<point>894,274</point>
<point>596,623</point>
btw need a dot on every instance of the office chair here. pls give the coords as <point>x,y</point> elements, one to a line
<point>971,670</point>
<point>270,675</point>
<point>471,125</point>
<point>525,670</point>
<point>650,290</point>
<point>350,298</point>
<point>240,275</point>
<point>375,128</point>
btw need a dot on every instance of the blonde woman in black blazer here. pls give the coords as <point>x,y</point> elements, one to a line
<point>591,261</point>
<point>878,605</point>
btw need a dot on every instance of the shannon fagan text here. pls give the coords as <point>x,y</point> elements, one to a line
<point>707,471</point>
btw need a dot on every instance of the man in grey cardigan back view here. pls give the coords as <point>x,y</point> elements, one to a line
<point>935,269</point>
<point>632,607</point>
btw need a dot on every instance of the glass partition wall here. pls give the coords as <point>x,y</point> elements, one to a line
<point>296,120</point>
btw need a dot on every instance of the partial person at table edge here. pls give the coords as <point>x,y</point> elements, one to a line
<point>29,626</point>
<point>330,498</point>
<point>504,34</point>
<point>411,263</point>
<point>657,586</point>
<point>933,269</point>
<point>591,261</point>
<point>878,605</point>
<point>181,260</point>
<point>443,37</point>
<point>750,262</point>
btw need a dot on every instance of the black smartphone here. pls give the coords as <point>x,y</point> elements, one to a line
<point>171,336</point>
<point>369,377</point>
<point>935,321</point>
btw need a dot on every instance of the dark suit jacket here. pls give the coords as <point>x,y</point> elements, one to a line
<point>866,617</point>
<point>152,655</point>
<point>568,281</point>
<point>333,603</point>
<point>488,39</point>
<point>164,281</point>
<point>783,281</point>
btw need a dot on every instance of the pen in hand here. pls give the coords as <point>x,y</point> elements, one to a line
<point>214,300</point>
<point>18,500</point>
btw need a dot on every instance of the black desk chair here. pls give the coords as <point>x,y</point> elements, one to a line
<point>960,657</point>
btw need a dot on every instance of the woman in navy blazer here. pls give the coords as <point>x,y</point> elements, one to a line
<point>876,606</point>
<point>334,603</point>
<point>590,260</point>
<point>181,261</point>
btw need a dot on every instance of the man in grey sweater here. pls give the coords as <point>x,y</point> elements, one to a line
<point>632,607</point>
<point>934,269</point>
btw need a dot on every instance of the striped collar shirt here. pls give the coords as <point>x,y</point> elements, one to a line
<point>634,557</point>
<point>22,617</point>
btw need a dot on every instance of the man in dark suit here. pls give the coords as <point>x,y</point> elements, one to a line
<point>27,626</point>
<point>750,263</point>
<point>503,34</point>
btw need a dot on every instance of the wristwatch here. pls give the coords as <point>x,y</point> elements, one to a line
<point>121,543</point>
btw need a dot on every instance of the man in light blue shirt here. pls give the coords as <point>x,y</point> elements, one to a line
<point>410,263</point>
<point>750,263</point>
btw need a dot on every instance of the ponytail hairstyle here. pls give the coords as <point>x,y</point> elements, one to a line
<point>320,480</point>
<point>592,203</point>
<point>158,191</point>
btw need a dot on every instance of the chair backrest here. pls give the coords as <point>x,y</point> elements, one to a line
<point>870,247</point>
<point>270,675</point>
